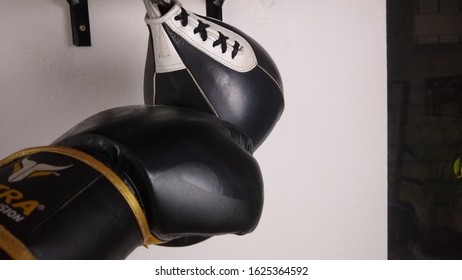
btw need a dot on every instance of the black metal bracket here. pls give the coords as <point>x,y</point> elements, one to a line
<point>214,9</point>
<point>80,21</point>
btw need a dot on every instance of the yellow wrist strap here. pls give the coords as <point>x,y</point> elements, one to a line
<point>13,247</point>
<point>117,182</point>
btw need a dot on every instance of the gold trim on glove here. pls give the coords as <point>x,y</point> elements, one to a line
<point>121,186</point>
<point>13,247</point>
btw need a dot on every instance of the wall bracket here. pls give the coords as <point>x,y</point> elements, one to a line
<point>214,9</point>
<point>80,22</point>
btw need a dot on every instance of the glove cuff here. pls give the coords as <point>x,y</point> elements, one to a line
<point>42,186</point>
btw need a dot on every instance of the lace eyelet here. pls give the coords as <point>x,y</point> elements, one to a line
<point>202,30</point>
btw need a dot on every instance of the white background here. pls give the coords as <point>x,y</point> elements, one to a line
<point>324,165</point>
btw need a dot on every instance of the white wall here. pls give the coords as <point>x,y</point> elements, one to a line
<point>324,166</point>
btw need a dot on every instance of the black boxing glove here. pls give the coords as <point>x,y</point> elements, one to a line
<point>210,66</point>
<point>126,177</point>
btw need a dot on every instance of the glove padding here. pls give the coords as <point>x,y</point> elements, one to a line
<point>192,174</point>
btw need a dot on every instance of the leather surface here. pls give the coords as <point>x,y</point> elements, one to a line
<point>193,172</point>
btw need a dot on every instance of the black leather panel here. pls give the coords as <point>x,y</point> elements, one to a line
<point>251,100</point>
<point>178,89</point>
<point>149,71</point>
<point>194,180</point>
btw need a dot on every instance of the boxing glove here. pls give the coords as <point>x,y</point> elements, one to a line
<point>210,66</point>
<point>126,177</point>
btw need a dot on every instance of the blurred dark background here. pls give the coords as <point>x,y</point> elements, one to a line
<point>424,48</point>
